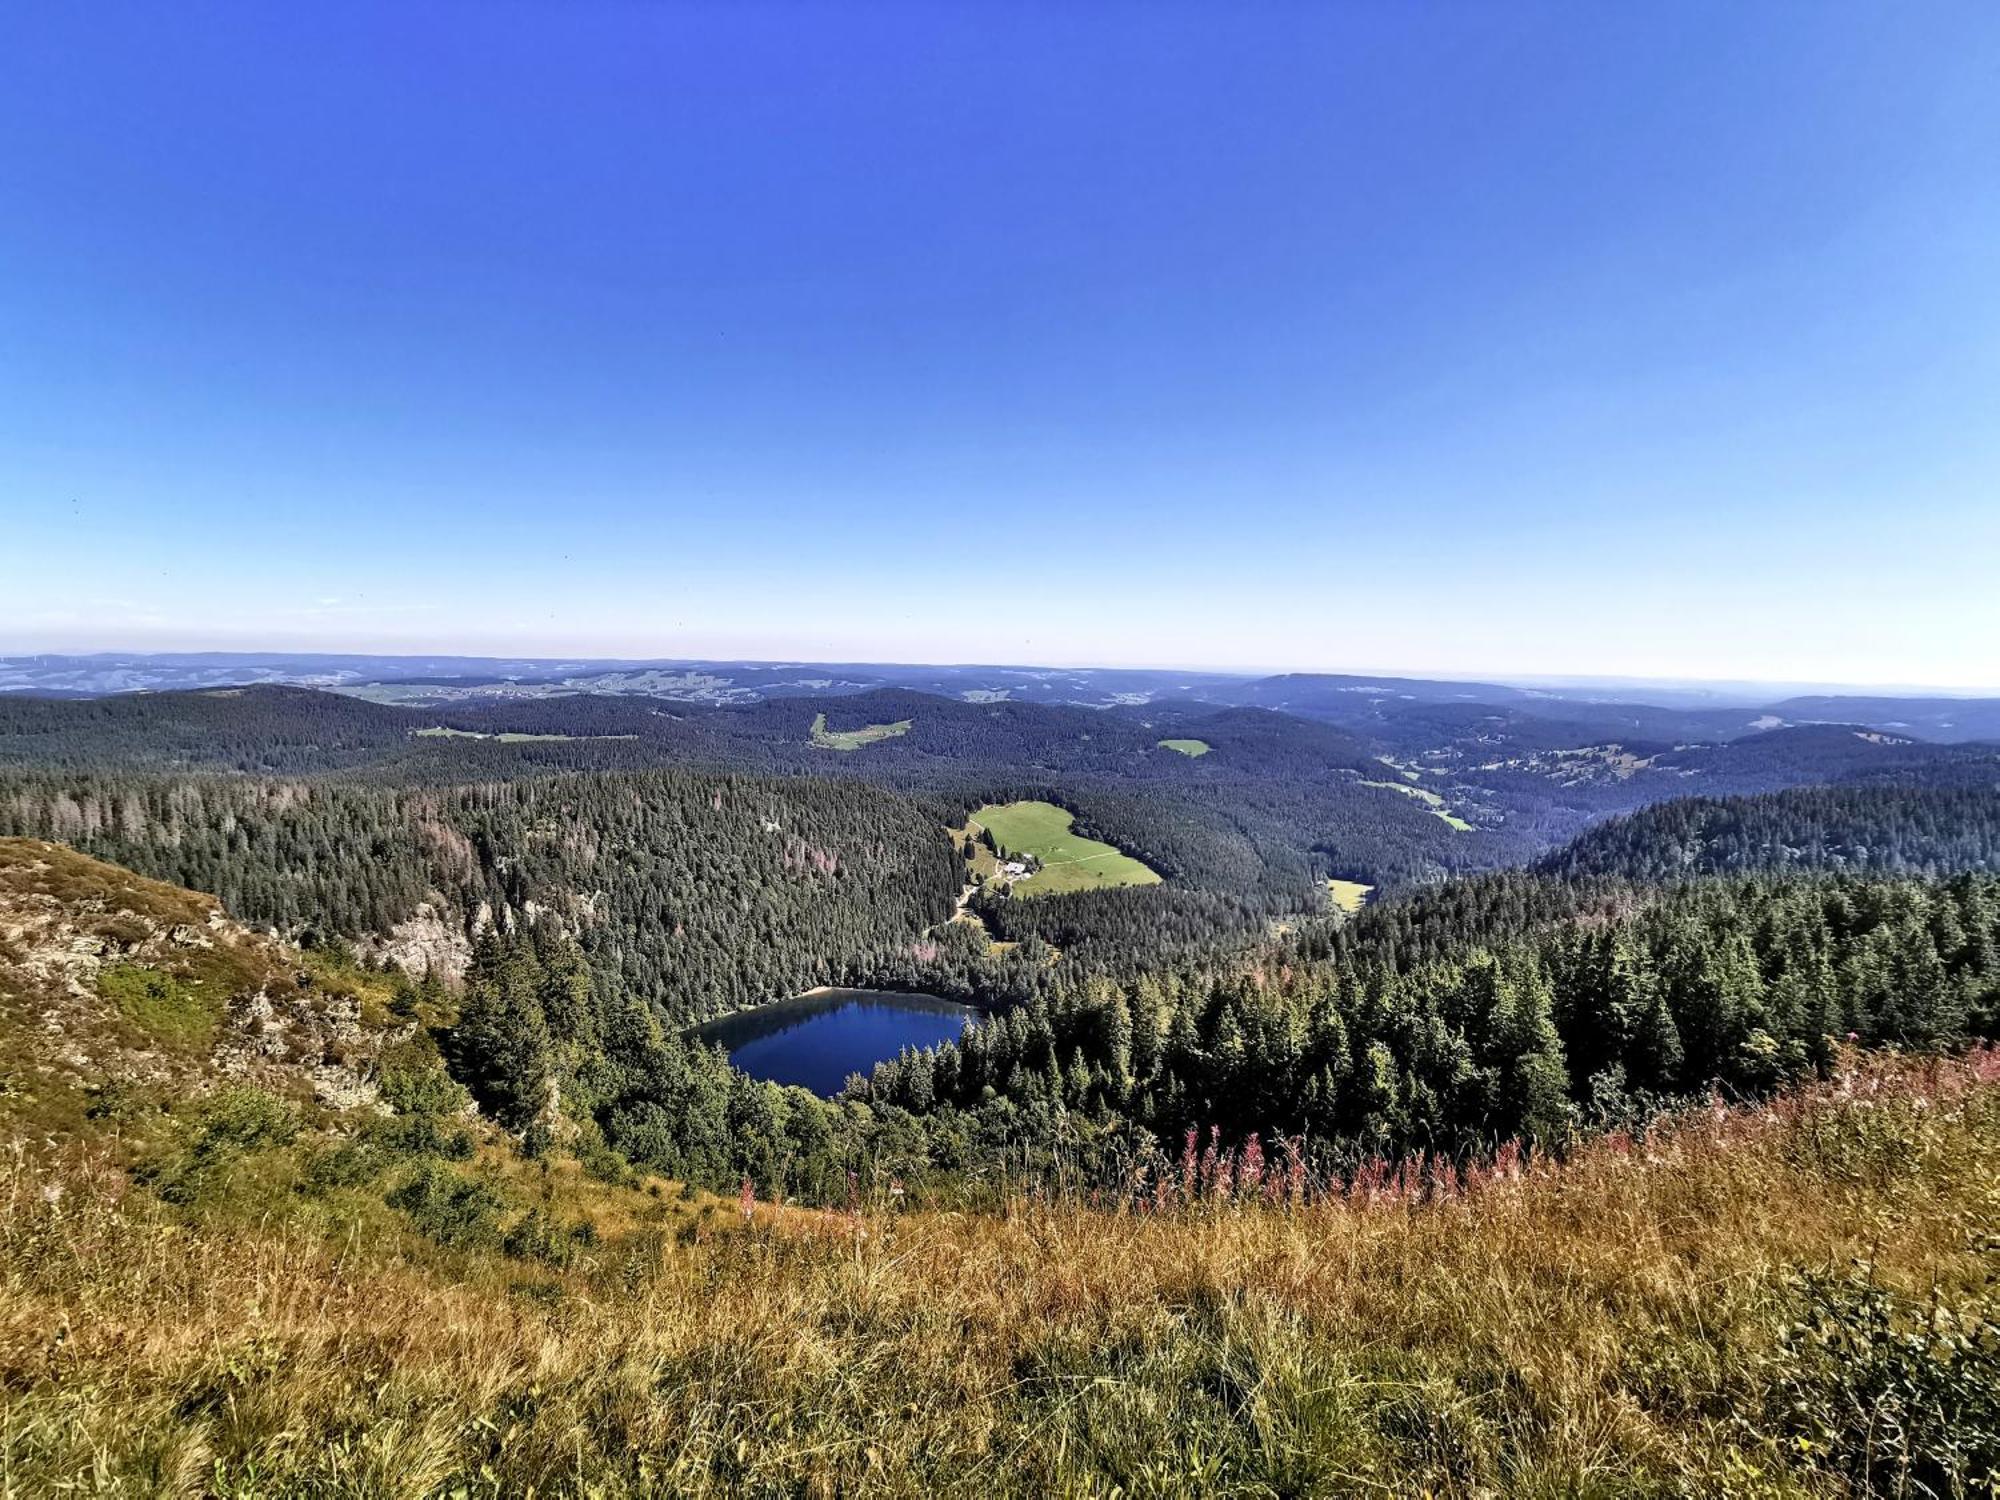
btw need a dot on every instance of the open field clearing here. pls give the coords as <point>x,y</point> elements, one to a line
<point>440,732</point>
<point>1189,748</point>
<point>854,739</point>
<point>1348,895</point>
<point>1070,862</point>
<point>1426,796</point>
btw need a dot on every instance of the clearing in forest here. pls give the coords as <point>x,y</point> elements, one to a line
<point>1069,862</point>
<point>1189,748</point>
<point>1429,799</point>
<point>854,739</point>
<point>510,737</point>
<point>1348,895</point>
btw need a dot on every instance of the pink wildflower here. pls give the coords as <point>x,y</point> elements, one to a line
<point>1251,1175</point>
<point>1295,1169</point>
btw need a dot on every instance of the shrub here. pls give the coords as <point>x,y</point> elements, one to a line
<point>422,1135</point>
<point>417,1088</point>
<point>537,1236</point>
<point>247,1119</point>
<point>165,1008</point>
<point>1894,1395</point>
<point>231,1124</point>
<point>451,1209</point>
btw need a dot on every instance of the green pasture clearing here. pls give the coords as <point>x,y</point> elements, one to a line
<point>166,1008</point>
<point>984,866</point>
<point>1189,748</point>
<point>1429,798</point>
<point>854,739</point>
<point>510,737</point>
<point>1348,895</point>
<point>1070,862</point>
<point>1423,794</point>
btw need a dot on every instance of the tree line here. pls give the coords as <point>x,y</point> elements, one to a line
<point>1609,1004</point>
<point>1891,828</point>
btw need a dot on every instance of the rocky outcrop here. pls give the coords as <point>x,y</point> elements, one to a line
<point>106,977</point>
<point>426,941</point>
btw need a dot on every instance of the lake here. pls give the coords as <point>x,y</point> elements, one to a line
<point>816,1040</point>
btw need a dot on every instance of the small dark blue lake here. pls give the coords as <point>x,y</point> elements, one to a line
<point>816,1040</point>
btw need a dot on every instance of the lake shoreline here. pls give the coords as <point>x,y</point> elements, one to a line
<point>820,1038</point>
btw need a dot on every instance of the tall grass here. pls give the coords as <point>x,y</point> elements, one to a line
<point>1784,1301</point>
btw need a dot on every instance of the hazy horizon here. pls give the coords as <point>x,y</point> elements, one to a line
<point>1639,343</point>
<point>1746,689</point>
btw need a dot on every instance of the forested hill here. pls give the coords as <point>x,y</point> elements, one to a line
<point>1521,1020</point>
<point>267,729</point>
<point>288,730</point>
<point>1245,811</point>
<point>1889,828</point>
<point>697,894</point>
<point>1275,806</point>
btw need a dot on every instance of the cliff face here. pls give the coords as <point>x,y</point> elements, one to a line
<point>428,942</point>
<point>108,978</point>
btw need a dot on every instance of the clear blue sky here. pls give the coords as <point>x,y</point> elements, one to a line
<point>1644,339</point>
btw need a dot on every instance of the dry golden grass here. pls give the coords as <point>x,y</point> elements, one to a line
<point>1603,1328</point>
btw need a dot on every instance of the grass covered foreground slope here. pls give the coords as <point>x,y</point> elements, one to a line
<point>1787,1300</point>
<point>231,1282</point>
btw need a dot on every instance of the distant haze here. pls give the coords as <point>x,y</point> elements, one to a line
<point>732,679</point>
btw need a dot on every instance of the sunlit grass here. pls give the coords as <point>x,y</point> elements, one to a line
<point>855,739</point>
<point>1348,895</point>
<point>1614,1326</point>
<point>1069,862</point>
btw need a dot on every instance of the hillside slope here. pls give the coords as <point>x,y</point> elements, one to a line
<point>1787,1302</point>
<point>259,1243</point>
<point>109,980</point>
<point>1886,828</point>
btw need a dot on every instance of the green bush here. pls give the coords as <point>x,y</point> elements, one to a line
<point>422,1135</point>
<point>449,1208</point>
<point>370,1152</point>
<point>353,1163</point>
<point>537,1236</point>
<point>421,1089</point>
<point>1894,1395</point>
<point>228,1126</point>
<point>165,1008</point>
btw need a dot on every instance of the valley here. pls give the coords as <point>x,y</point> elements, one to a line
<point>593,906</point>
<point>589,1000</point>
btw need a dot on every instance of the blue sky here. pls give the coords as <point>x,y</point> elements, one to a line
<point>1500,338</point>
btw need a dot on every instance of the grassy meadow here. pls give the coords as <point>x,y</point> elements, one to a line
<point>1426,796</point>
<point>1348,895</point>
<point>1189,748</point>
<point>1070,862</point>
<point>855,739</point>
<point>1777,1301</point>
<point>510,737</point>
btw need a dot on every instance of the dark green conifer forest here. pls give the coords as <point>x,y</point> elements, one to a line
<point>565,909</point>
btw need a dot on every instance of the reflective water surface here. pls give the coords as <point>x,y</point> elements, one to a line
<point>816,1040</point>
